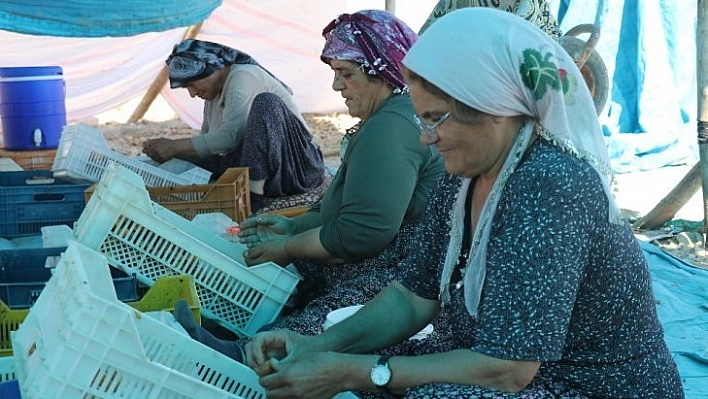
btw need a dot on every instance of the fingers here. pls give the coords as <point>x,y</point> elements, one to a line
<point>255,231</point>
<point>147,148</point>
<point>252,256</point>
<point>254,357</point>
<point>256,221</point>
<point>265,368</point>
<point>254,252</point>
<point>152,149</point>
<point>249,261</point>
<point>263,347</point>
<point>249,227</point>
<point>249,223</point>
<point>250,240</point>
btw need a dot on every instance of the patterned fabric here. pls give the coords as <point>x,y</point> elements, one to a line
<point>292,201</point>
<point>193,60</point>
<point>535,11</point>
<point>277,147</point>
<point>375,39</point>
<point>325,288</point>
<point>532,75</point>
<point>568,288</point>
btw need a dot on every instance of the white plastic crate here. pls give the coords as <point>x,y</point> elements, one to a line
<point>84,154</point>
<point>143,238</point>
<point>7,368</point>
<point>78,340</point>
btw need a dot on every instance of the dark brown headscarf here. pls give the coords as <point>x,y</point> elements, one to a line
<point>192,60</point>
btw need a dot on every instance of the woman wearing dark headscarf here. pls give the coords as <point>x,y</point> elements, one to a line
<point>348,246</point>
<point>250,119</point>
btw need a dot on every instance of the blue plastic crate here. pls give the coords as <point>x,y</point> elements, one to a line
<point>23,276</point>
<point>10,390</point>
<point>30,200</point>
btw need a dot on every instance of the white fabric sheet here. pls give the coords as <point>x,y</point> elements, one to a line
<point>283,35</point>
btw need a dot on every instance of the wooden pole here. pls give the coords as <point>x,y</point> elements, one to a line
<point>702,86</point>
<point>698,175</point>
<point>675,200</point>
<point>159,82</point>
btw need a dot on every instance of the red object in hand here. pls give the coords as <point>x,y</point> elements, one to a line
<point>233,230</point>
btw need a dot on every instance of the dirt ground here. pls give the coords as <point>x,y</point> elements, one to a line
<point>328,130</point>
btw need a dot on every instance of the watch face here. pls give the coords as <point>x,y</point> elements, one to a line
<point>380,375</point>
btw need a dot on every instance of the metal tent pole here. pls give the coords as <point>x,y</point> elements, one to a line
<point>391,6</point>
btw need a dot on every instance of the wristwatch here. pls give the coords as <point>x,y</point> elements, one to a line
<point>381,374</point>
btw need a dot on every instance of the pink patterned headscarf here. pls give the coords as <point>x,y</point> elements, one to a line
<point>375,39</point>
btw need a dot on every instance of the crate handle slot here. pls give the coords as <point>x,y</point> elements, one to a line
<point>45,197</point>
<point>34,295</point>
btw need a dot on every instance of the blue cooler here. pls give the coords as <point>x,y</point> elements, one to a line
<point>32,107</point>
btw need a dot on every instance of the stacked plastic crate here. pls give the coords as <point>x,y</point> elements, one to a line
<point>38,198</point>
<point>30,200</point>
<point>79,340</point>
<point>147,240</point>
<point>182,187</point>
<point>84,154</point>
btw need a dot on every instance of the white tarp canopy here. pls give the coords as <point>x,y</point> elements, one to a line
<point>283,35</point>
<point>648,47</point>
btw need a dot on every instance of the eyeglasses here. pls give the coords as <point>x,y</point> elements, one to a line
<point>429,128</point>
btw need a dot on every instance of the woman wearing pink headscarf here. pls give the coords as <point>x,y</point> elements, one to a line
<point>348,246</point>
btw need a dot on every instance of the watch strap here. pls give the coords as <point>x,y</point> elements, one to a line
<point>383,361</point>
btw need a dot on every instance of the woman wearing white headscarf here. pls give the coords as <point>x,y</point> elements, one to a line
<point>535,285</point>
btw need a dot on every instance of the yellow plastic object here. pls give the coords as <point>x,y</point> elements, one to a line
<point>166,291</point>
<point>10,320</point>
<point>161,296</point>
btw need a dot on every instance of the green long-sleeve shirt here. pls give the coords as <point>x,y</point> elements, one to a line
<point>383,182</point>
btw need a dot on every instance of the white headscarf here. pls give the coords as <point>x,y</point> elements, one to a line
<point>500,64</point>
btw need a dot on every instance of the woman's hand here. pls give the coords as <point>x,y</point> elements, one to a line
<point>274,345</point>
<point>159,150</point>
<point>307,375</point>
<point>269,251</point>
<point>261,229</point>
<point>297,368</point>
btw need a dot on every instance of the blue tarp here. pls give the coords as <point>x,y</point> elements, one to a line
<point>681,292</point>
<point>649,49</point>
<point>100,18</point>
